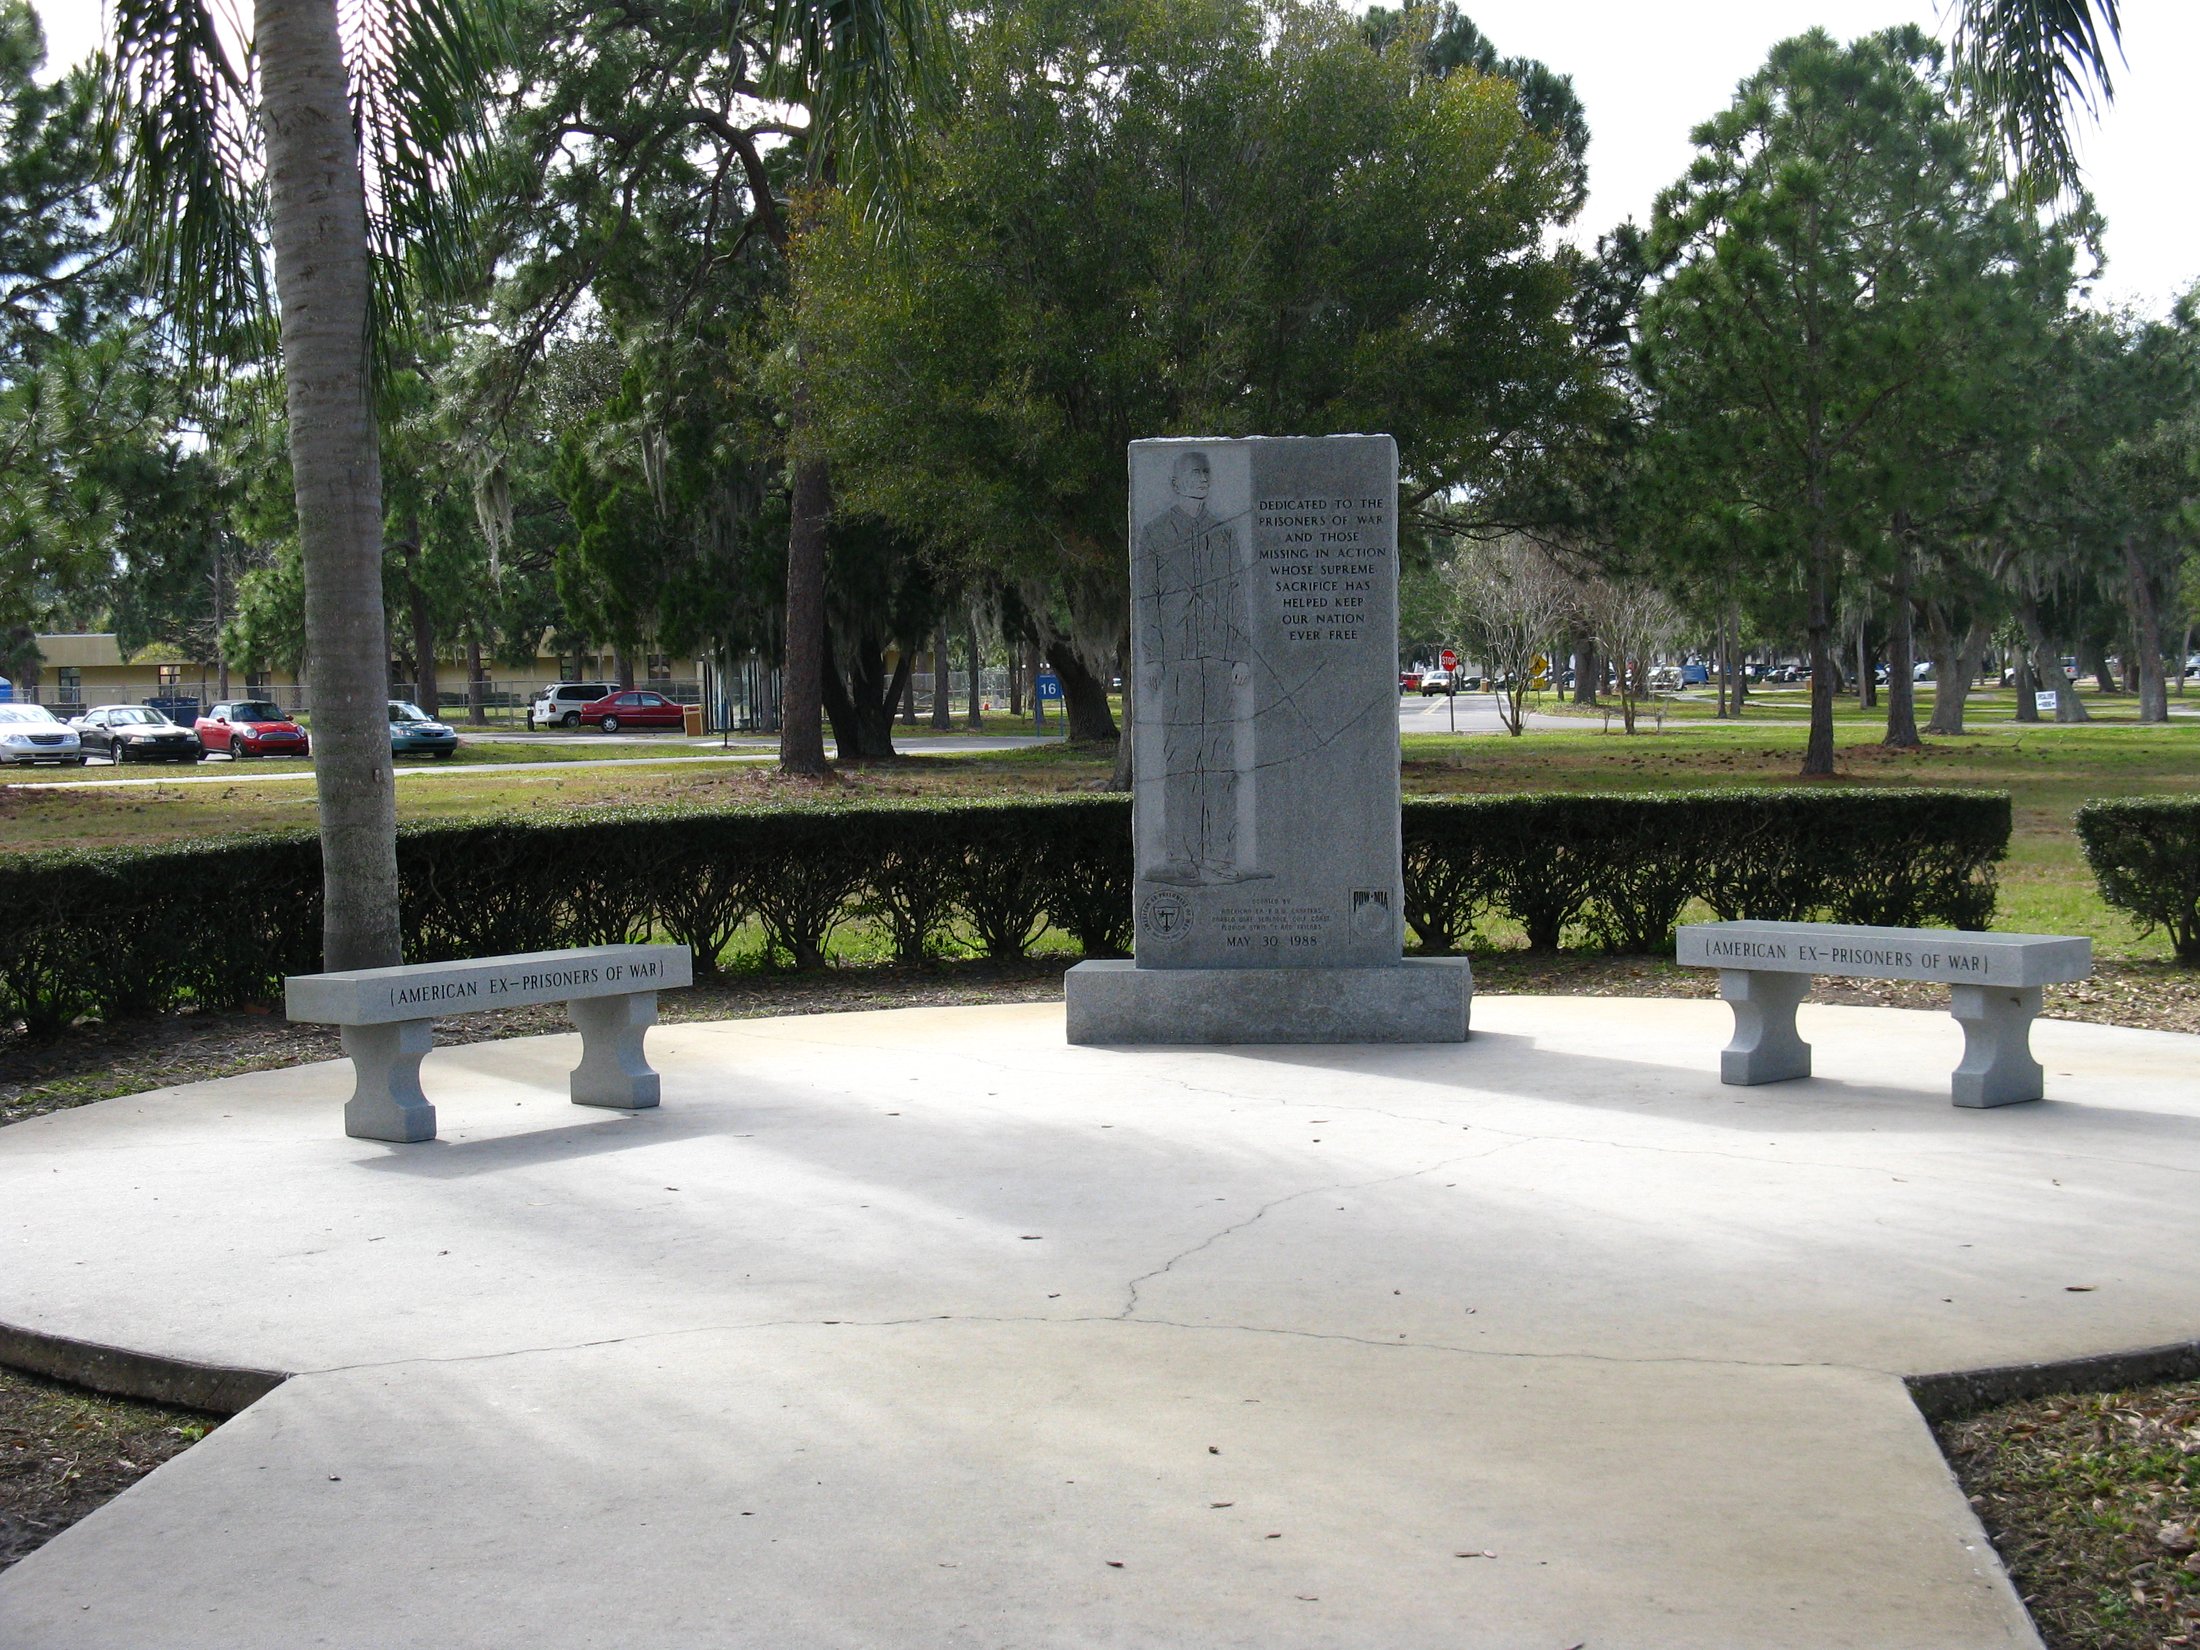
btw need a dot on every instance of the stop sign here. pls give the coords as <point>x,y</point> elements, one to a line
<point>1448,659</point>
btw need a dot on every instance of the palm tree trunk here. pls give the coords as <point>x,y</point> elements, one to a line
<point>318,220</point>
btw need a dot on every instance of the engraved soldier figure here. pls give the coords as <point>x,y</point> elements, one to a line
<point>1194,652</point>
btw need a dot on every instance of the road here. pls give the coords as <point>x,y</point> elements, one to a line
<point>1468,713</point>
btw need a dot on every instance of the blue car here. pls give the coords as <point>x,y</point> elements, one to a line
<point>413,732</point>
<point>1695,675</point>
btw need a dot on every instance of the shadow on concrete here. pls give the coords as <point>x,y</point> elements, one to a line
<point>442,1159</point>
<point>1600,1082</point>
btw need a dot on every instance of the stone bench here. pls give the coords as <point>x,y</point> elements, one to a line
<point>388,1020</point>
<point>1995,980</point>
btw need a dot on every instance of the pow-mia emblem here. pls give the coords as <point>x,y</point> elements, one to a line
<point>1167,916</point>
<point>1371,912</point>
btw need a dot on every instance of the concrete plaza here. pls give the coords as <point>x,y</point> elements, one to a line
<point>922,1328</point>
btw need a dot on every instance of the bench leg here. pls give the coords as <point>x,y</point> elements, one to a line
<point>387,1103</point>
<point>612,1071</point>
<point>1766,1048</point>
<point>1998,1068</point>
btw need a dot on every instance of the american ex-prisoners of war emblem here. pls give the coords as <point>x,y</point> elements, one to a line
<point>1167,916</point>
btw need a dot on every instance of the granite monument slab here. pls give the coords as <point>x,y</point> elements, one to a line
<point>1264,621</point>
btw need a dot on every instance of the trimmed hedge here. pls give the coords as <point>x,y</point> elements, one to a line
<point>218,924</point>
<point>1622,868</point>
<point>2145,854</point>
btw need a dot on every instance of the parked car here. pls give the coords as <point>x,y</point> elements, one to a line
<point>1408,680</point>
<point>560,705</point>
<point>135,733</point>
<point>413,732</point>
<point>1695,674</point>
<point>32,733</point>
<point>1437,681</point>
<point>631,708</point>
<point>251,727</point>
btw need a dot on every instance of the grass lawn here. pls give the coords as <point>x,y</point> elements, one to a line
<point>2048,768</point>
<point>105,816</point>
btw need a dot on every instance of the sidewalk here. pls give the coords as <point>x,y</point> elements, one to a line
<point>921,1328</point>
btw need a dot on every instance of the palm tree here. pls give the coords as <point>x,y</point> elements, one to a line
<point>2031,64</point>
<point>187,107</point>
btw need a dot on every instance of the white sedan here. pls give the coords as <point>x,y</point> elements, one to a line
<point>32,733</point>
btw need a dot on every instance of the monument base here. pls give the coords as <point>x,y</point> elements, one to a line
<point>1419,1000</point>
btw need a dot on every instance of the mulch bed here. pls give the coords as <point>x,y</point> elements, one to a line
<point>65,1452</point>
<point>2093,1502</point>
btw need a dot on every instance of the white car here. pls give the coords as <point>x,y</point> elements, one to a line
<point>32,733</point>
<point>560,705</point>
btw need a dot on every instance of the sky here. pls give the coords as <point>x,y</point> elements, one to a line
<point>1648,73</point>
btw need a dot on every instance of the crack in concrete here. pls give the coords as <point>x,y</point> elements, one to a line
<point>1130,1303</point>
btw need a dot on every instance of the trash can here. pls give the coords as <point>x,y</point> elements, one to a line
<point>691,719</point>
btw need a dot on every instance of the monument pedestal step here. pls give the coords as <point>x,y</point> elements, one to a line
<point>1417,1000</point>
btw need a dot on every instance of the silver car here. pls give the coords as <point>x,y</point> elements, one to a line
<point>32,733</point>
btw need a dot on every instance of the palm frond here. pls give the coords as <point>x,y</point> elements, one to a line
<point>180,127</point>
<point>2029,67</point>
<point>177,123</point>
<point>866,69</point>
<point>421,72</point>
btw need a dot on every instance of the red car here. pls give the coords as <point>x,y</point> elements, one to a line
<point>250,727</point>
<point>631,708</point>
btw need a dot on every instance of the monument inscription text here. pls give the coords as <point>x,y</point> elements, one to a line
<point>1264,614</point>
